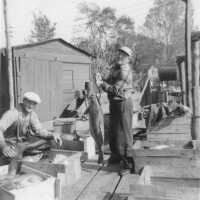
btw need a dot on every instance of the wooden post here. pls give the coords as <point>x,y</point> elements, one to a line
<point>182,71</point>
<point>8,56</point>
<point>183,81</point>
<point>195,127</point>
<point>188,51</point>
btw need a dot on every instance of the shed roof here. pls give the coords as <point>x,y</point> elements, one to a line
<point>53,40</point>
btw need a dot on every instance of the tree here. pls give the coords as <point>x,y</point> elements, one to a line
<point>105,31</point>
<point>125,31</point>
<point>148,51</point>
<point>165,23</point>
<point>43,29</point>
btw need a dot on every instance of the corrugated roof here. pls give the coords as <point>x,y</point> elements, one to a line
<point>52,40</point>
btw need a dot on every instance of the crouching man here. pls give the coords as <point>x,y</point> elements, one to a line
<point>22,126</point>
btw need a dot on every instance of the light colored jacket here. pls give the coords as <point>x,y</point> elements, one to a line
<point>15,124</point>
<point>119,83</point>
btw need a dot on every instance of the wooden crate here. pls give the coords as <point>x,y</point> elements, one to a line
<point>172,144</point>
<point>44,190</point>
<point>176,129</point>
<point>152,192</point>
<point>164,183</point>
<point>68,171</point>
<point>85,144</point>
<point>154,136</point>
<point>176,176</point>
<point>172,157</point>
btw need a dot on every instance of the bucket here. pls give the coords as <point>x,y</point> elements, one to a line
<point>64,125</point>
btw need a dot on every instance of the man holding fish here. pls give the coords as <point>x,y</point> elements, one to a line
<point>119,88</point>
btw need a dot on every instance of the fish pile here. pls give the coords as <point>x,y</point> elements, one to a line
<point>15,164</point>
<point>60,159</point>
<point>19,181</point>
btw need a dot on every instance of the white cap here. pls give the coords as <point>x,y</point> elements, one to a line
<point>32,96</point>
<point>126,50</point>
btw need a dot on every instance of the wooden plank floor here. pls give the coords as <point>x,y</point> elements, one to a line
<point>95,183</point>
<point>122,191</point>
<point>73,192</point>
<point>104,183</point>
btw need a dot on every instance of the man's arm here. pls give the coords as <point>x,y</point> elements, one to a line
<point>37,127</point>
<point>40,131</point>
<point>6,121</point>
<point>2,140</point>
<point>121,75</point>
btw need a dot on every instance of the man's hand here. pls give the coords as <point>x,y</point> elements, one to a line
<point>57,138</point>
<point>9,151</point>
<point>99,80</point>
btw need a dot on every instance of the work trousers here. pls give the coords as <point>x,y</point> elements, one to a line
<point>120,137</point>
<point>36,150</point>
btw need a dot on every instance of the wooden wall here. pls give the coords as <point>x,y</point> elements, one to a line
<point>54,71</point>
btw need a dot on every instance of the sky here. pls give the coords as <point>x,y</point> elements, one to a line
<point>65,13</point>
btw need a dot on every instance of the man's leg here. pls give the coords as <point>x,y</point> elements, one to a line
<point>114,128</point>
<point>126,123</point>
<point>127,117</point>
<point>35,145</point>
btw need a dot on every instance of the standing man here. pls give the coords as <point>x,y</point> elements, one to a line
<point>21,124</point>
<point>119,88</point>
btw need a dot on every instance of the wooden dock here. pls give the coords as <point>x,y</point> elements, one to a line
<point>167,173</point>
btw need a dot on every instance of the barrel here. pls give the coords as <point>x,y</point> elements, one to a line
<point>64,125</point>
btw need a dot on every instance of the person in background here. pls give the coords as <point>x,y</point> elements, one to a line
<point>119,88</point>
<point>72,109</point>
<point>21,124</point>
<point>80,98</point>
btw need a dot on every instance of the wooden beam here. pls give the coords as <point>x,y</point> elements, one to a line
<point>9,56</point>
<point>196,91</point>
<point>157,192</point>
<point>188,50</point>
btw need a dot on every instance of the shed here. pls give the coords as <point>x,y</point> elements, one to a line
<point>54,69</point>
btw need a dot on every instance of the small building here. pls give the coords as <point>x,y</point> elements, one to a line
<point>54,69</point>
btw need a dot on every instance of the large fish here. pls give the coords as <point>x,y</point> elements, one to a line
<point>20,148</point>
<point>20,181</point>
<point>96,123</point>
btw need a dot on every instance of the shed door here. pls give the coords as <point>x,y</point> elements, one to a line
<point>72,77</point>
<point>66,85</point>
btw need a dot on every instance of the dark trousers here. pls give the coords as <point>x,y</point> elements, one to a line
<point>120,138</point>
<point>32,146</point>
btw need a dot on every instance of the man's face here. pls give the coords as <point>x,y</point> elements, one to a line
<point>29,106</point>
<point>122,58</point>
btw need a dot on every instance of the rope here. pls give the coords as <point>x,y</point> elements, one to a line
<point>81,192</point>
<point>112,195</point>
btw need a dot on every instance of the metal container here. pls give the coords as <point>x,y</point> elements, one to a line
<point>64,125</point>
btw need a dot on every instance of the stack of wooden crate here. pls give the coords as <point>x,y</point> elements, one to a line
<point>47,189</point>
